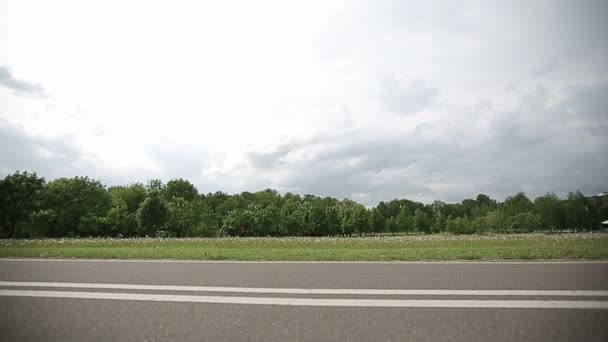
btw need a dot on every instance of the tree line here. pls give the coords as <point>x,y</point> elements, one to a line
<point>78,207</point>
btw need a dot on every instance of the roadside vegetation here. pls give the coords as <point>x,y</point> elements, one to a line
<point>31,207</point>
<point>385,248</point>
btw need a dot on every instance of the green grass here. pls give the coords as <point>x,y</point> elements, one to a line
<point>432,247</point>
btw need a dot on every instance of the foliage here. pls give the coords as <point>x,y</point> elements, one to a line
<point>132,195</point>
<point>179,188</point>
<point>189,218</point>
<point>421,222</point>
<point>392,225</point>
<point>19,196</point>
<point>551,211</point>
<point>78,203</point>
<point>152,215</point>
<point>405,221</point>
<point>119,221</point>
<point>377,221</point>
<point>79,206</point>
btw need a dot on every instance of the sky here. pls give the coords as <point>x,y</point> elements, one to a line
<point>367,100</point>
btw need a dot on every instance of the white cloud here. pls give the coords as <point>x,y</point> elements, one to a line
<point>307,96</point>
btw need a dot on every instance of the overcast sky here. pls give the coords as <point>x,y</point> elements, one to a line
<point>370,100</point>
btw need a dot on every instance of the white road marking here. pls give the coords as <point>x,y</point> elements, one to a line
<point>383,303</point>
<point>405,292</point>
<point>396,262</point>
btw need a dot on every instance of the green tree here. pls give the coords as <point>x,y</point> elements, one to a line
<point>182,217</point>
<point>519,203</point>
<point>133,195</point>
<point>180,188</point>
<point>405,221</point>
<point>439,223</point>
<point>155,185</point>
<point>237,219</point>
<point>291,218</point>
<point>421,221</point>
<point>78,204</point>
<point>265,219</point>
<point>439,213</point>
<point>346,209</point>
<point>378,224</point>
<point>526,222</point>
<point>577,209</point>
<point>20,193</point>
<point>483,200</point>
<point>118,221</point>
<point>332,216</point>
<point>41,223</point>
<point>359,220</point>
<point>89,225</point>
<point>268,197</point>
<point>549,209</point>
<point>468,206</point>
<point>209,221</point>
<point>494,221</point>
<point>459,225</point>
<point>190,218</point>
<point>231,203</point>
<point>392,225</point>
<point>384,210</point>
<point>214,200</point>
<point>152,215</point>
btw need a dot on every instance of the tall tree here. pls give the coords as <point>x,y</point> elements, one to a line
<point>180,188</point>
<point>377,221</point>
<point>152,215</point>
<point>155,185</point>
<point>78,203</point>
<point>132,195</point>
<point>519,203</point>
<point>548,207</point>
<point>291,218</point>
<point>392,225</point>
<point>577,206</point>
<point>359,219</point>
<point>421,221</point>
<point>20,193</point>
<point>118,221</point>
<point>189,218</point>
<point>265,219</point>
<point>404,220</point>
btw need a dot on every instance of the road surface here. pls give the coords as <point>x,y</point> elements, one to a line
<point>76,300</point>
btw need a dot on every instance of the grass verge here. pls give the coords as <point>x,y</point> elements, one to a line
<point>404,248</point>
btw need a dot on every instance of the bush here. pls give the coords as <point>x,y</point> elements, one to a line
<point>525,222</point>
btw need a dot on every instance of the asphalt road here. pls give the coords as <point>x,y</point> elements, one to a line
<point>76,300</point>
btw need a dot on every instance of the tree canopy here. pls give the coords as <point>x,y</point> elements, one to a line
<point>32,207</point>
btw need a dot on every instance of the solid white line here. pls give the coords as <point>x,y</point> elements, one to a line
<point>384,303</point>
<point>411,292</point>
<point>396,262</point>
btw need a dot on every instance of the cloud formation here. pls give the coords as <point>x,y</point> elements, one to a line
<point>49,157</point>
<point>407,99</point>
<point>557,148</point>
<point>372,100</point>
<point>20,87</point>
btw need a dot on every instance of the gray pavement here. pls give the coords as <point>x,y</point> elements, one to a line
<point>431,275</point>
<point>69,319</point>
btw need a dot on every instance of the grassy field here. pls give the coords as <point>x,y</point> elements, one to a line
<point>432,247</point>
